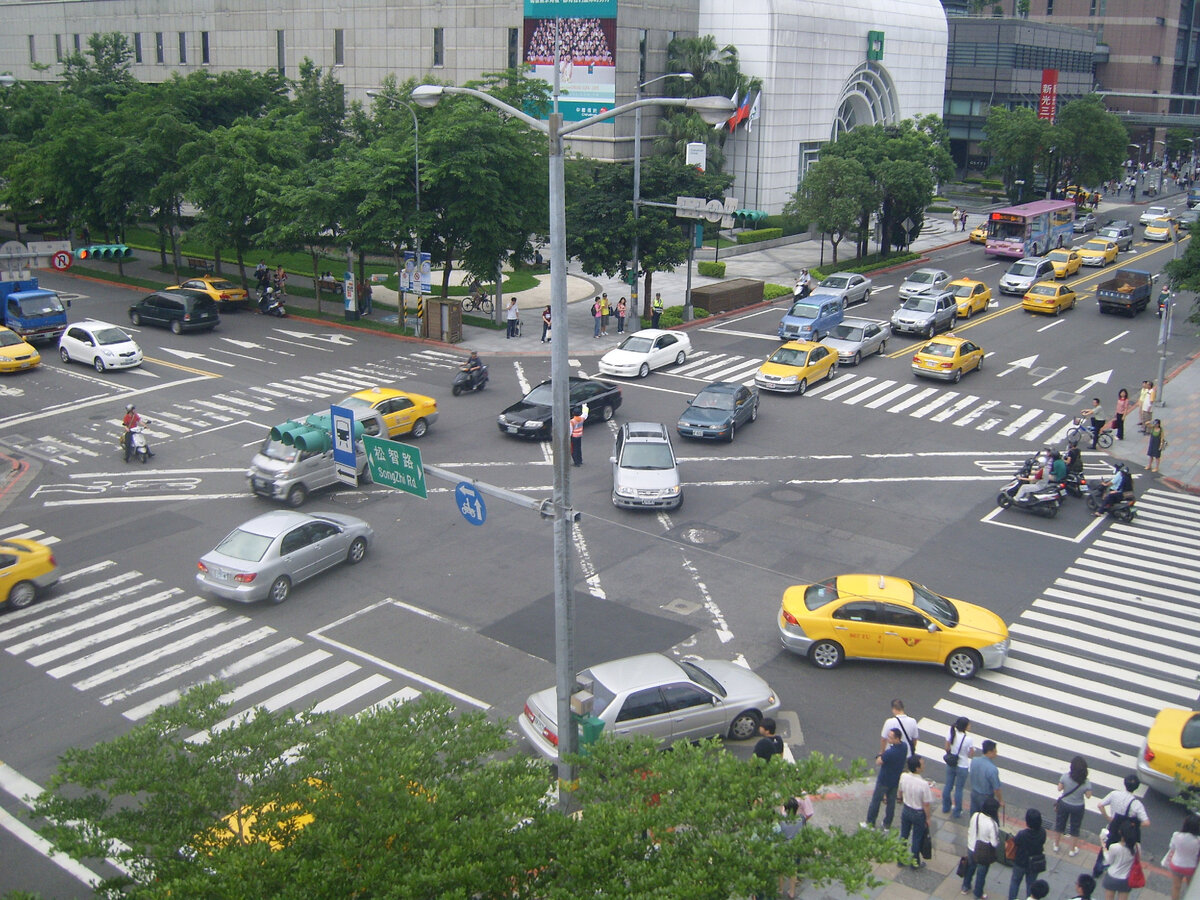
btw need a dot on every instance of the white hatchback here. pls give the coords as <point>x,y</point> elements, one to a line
<point>100,345</point>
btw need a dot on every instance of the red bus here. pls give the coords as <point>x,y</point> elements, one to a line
<point>1030,229</point>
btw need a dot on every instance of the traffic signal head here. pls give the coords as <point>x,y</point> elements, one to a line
<point>105,251</point>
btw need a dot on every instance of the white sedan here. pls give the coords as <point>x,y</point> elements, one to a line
<point>100,345</point>
<point>1152,213</point>
<point>651,348</point>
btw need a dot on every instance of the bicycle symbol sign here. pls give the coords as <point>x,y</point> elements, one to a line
<point>470,503</point>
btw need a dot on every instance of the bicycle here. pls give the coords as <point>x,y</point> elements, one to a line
<point>477,301</point>
<point>1083,428</point>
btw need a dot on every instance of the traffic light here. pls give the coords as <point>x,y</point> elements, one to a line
<point>105,251</point>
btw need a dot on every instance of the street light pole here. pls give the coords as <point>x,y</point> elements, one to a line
<point>713,110</point>
<point>637,185</point>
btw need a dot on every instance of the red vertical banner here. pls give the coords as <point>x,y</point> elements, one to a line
<point>1048,99</point>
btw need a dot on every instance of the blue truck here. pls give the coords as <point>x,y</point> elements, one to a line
<point>35,313</point>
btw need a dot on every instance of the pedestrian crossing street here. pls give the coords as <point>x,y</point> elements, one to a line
<point>911,397</point>
<point>135,644</point>
<point>220,409</point>
<point>1093,659</point>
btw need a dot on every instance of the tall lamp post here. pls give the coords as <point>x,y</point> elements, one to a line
<point>637,184</point>
<point>416,187</point>
<point>712,110</point>
<point>1162,165</point>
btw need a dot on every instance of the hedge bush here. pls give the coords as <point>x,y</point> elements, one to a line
<point>673,315</point>
<point>759,234</point>
<point>771,291</point>
<point>711,268</point>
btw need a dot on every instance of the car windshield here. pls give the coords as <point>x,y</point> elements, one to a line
<point>637,455</point>
<point>788,356</point>
<point>713,400</point>
<point>356,403</point>
<point>935,605</point>
<point>836,281</point>
<point>1190,739</point>
<point>937,348</point>
<point>9,339</point>
<point>39,306</point>
<point>1096,245</point>
<point>702,678</point>
<point>1111,232</point>
<point>964,290</point>
<point>541,395</point>
<point>921,304</point>
<point>921,277</point>
<point>1044,289</point>
<point>635,344</point>
<point>105,336</point>
<point>223,285</point>
<point>845,332</point>
<point>278,450</point>
<point>244,545</point>
<point>1063,255</point>
<point>804,311</point>
<point>817,595</point>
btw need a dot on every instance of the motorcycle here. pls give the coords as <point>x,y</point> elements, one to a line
<point>1045,501</point>
<point>464,382</point>
<point>1164,299</point>
<point>1123,510</point>
<point>1075,484</point>
<point>803,287</point>
<point>138,446</point>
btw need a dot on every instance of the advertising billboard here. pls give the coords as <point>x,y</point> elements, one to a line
<point>587,41</point>
<point>1048,99</point>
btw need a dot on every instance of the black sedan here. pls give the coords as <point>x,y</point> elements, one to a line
<point>717,411</point>
<point>530,416</point>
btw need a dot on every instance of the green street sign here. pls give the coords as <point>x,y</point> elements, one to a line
<point>395,465</point>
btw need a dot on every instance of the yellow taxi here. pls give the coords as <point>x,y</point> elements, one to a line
<point>883,617</point>
<point>1170,758</point>
<point>26,567</point>
<point>947,357</point>
<point>1048,297</point>
<point>15,353</point>
<point>403,412</point>
<point>1098,252</point>
<point>1065,260</point>
<point>1162,229</point>
<point>224,292</point>
<point>796,365</point>
<point>978,235</point>
<point>971,296</point>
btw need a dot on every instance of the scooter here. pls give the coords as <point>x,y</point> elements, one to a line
<point>139,447</point>
<point>1123,510</point>
<point>464,382</point>
<point>1164,298</point>
<point>1075,484</point>
<point>1045,501</point>
<point>275,306</point>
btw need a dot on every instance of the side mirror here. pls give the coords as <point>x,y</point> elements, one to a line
<point>613,460</point>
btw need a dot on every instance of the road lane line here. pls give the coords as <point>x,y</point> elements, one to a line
<point>952,411</point>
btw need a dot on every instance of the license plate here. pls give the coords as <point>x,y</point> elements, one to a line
<point>511,429</point>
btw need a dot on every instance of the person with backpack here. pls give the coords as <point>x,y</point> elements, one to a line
<point>1121,807</point>
<point>983,843</point>
<point>1030,859</point>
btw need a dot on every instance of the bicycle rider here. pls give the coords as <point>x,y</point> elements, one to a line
<point>1095,412</point>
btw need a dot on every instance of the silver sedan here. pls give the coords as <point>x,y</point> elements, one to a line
<point>855,338</point>
<point>262,559</point>
<point>850,286</point>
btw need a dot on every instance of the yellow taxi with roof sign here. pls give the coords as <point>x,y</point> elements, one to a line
<point>1066,261</point>
<point>947,357</point>
<point>971,296</point>
<point>1048,297</point>
<point>1161,229</point>
<point>403,412</point>
<point>1098,252</point>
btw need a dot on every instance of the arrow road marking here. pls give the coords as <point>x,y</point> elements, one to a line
<point>1026,363</point>
<point>1098,378</point>
<point>332,338</point>
<point>189,354</point>
<point>245,345</point>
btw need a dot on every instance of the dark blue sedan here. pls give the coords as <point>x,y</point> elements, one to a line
<point>719,410</point>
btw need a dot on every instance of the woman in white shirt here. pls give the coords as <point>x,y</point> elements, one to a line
<point>960,747</point>
<point>983,829</point>
<point>1119,858</point>
<point>1183,854</point>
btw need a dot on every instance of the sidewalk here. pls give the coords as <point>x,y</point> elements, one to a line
<point>846,808</point>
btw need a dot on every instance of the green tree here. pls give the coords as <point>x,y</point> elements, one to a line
<point>1016,143</point>
<point>1090,143</point>
<point>104,75</point>
<point>1184,275</point>
<point>837,195</point>
<point>417,800</point>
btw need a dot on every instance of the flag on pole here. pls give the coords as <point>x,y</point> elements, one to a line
<point>721,125</point>
<point>740,116</point>
<point>754,113</point>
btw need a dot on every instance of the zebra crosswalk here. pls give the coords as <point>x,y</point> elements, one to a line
<point>1094,658</point>
<point>135,645</point>
<point>915,399</point>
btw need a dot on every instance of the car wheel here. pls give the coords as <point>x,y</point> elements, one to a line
<point>979,365</point>
<point>64,355</point>
<point>801,387</point>
<point>969,311</point>
<point>358,549</point>
<point>882,347</point>
<point>754,412</point>
<point>857,358</point>
<point>1052,511</point>
<point>1057,310</point>
<point>280,588</point>
<point>963,663</point>
<point>21,595</point>
<point>98,364</point>
<point>732,430</point>
<point>680,358</point>
<point>606,412</point>
<point>1073,302</point>
<point>297,495</point>
<point>176,327</point>
<point>419,428</point>
<point>644,370</point>
<point>845,303</point>
<point>931,330</point>
<point>135,318</point>
<point>745,726</point>
<point>957,376</point>
<point>826,654</point>
<point>866,296</point>
<point>833,370</point>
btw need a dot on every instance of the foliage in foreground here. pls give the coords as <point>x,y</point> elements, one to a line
<point>421,800</point>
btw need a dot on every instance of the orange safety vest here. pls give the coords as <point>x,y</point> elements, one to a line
<point>576,426</point>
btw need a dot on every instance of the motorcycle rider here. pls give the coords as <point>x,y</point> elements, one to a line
<point>474,367</point>
<point>131,421</point>
<point>1120,488</point>
<point>804,285</point>
<point>1058,467</point>
<point>1074,459</point>
<point>1038,479</point>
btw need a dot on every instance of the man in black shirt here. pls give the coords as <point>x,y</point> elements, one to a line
<point>770,744</point>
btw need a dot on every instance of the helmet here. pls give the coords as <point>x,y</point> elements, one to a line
<point>128,407</point>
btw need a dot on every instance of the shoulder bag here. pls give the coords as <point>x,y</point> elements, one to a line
<point>1137,876</point>
<point>1061,797</point>
<point>951,759</point>
<point>984,850</point>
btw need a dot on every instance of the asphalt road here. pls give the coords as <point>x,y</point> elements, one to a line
<point>874,471</point>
